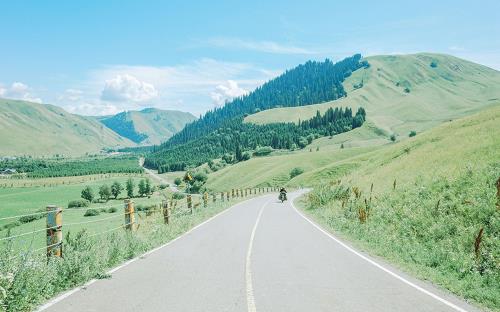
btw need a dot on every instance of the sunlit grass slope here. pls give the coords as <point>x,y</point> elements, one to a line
<point>438,88</point>
<point>38,129</point>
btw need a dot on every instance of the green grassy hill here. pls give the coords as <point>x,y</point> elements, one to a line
<point>40,129</point>
<point>148,126</point>
<point>438,88</point>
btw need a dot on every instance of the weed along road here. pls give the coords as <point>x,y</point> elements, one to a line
<point>259,255</point>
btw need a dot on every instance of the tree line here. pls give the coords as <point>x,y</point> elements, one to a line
<point>145,188</point>
<point>309,83</point>
<point>234,140</point>
<point>46,168</point>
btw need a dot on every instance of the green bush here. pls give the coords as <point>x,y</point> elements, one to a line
<point>144,207</point>
<point>263,151</point>
<point>245,156</point>
<point>91,212</point>
<point>78,203</point>
<point>163,186</point>
<point>178,195</point>
<point>112,210</point>
<point>295,172</point>
<point>177,181</point>
<point>412,133</point>
<point>393,137</point>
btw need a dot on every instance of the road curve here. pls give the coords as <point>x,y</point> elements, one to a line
<point>260,255</point>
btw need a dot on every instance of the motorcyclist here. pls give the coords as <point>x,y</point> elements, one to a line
<point>282,196</point>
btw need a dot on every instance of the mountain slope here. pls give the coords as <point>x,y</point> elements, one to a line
<point>40,129</point>
<point>438,88</point>
<point>148,126</point>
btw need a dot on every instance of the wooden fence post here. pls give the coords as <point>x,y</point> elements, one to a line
<point>54,231</point>
<point>129,215</point>
<point>205,200</point>
<point>214,197</point>
<point>189,203</point>
<point>246,194</point>
<point>166,212</point>
<point>232,193</point>
<point>227,196</point>
<point>222,196</point>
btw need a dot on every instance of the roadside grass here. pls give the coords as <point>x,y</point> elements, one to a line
<point>428,228</point>
<point>30,280</point>
<point>421,203</point>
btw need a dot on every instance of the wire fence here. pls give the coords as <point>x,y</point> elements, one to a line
<point>169,209</point>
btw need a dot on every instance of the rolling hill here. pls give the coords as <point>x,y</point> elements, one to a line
<point>149,126</point>
<point>402,93</point>
<point>39,129</point>
<point>441,88</point>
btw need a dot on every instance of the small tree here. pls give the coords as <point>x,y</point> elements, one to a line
<point>130,188</point>
<point>246,156</point>
<point>105,192</point>
<point>412,133</point>
<point>393,137</point>
<point>177,181</point>
<point>148,187</point>
<point>88,194</point>
<point>116,189</point>
<point>342,145</point>
<point>142,187</point>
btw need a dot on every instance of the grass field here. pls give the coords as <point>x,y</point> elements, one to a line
<point>453,89</point>
<point>25,200</point>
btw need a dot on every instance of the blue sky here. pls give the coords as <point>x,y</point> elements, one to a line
<point>101,57</point>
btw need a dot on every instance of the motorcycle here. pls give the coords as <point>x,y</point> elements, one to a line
<point>282,196</point>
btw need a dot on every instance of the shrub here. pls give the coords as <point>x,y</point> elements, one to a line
<point>78,203</point>
<point>434,64</point>
<point>295,172</point>
<point>412,133</point>
<point>91,212</point>
<point>112,210</point>
<point>28,219</point>
<point>178,195</point>
<point>393,137</point>
<point>263,151</point>
<point>145,208</point>
<point>245,156</point>
<point>163,186</point>
<point>177,181</point>
<point>406,90</point>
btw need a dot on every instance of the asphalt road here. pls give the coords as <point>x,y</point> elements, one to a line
<point>260,255</point>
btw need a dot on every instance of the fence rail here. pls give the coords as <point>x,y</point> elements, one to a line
<point>169,210</point>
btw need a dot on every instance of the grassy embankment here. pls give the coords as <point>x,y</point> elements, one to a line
<point>429,223</point>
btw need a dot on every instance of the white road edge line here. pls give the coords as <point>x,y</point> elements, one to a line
<point>71,292</point>
<point>442,300</point>
<point>248,264</point>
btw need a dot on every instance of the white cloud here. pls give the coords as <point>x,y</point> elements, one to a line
<point>226,92</point>
<point>187,87</point>
<point>19,91</point>
<point>93,109</point>
<point>71,95</point>
<point>260,46</point>
<point>124,88</point>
